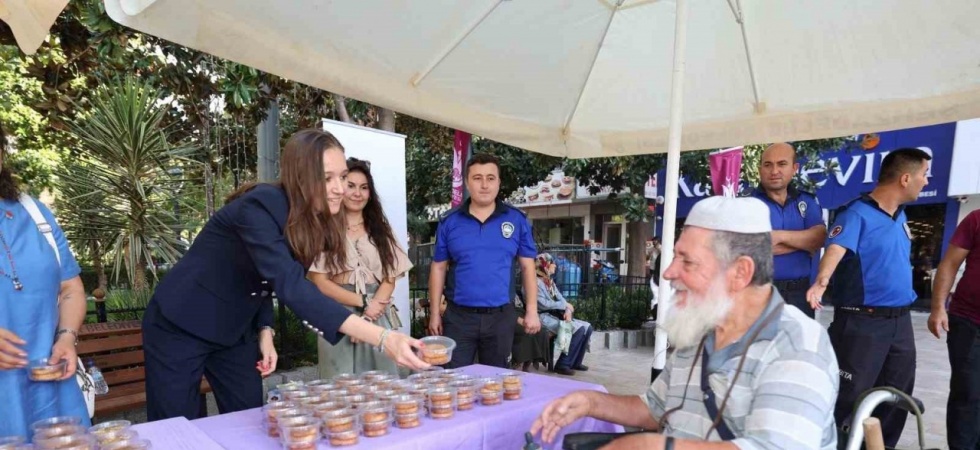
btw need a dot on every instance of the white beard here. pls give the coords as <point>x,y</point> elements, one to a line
<point>685,326</point>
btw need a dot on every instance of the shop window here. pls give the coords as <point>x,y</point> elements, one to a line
<point>561,231</point>
<point>926,222</point>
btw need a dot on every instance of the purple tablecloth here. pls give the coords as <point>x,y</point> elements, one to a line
<point>483,427</point>
<point>175,434</point>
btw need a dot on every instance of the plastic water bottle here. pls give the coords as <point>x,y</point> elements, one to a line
<point>530,444</point>
<point>101,388</point>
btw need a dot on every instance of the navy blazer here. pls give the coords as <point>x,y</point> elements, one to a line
<point>220,291</point>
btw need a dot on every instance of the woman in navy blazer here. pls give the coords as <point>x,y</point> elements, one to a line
<point>212,314</point>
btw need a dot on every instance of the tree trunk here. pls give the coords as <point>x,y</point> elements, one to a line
<point>103,279</point>
<point>340,104</point>
<point>637,235</point>
<point>386,119</point>
<point>139,278</point>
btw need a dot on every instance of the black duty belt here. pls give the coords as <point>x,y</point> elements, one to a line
<point>478,310</point>
<point>792,285</point>
<point>874,311</point>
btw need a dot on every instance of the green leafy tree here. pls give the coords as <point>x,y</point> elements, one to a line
<point>34,154</point>
<point>128,159</point>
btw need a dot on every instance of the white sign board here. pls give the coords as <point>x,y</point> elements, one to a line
<point>964,176</point>
<point>386,152</point>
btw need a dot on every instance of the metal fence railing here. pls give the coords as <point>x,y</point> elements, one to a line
<point>601,295</point>
<point>97,311</point>
<point>607,302</point>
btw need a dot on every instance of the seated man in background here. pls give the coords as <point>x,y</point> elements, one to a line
<point>747,371</point>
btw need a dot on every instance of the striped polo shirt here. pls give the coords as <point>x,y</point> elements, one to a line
<point>784,397</point>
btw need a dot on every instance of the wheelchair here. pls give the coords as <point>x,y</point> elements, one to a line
<point>852,435</point>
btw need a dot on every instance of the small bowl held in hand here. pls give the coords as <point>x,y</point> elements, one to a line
<point>44,370</point>
<point>437,350</point>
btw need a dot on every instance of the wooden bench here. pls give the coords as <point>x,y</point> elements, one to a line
<point>116,348</point>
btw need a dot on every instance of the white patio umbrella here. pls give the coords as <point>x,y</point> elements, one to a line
<point>30,20</point>
<point>585,78</point>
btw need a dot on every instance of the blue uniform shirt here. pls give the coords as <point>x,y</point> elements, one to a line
<point>482,255</point>
<point>876,271</point>
<point>800,212</point>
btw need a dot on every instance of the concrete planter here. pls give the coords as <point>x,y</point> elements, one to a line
<point>619,339</point>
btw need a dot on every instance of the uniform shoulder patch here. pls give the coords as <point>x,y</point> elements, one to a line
<point>836,231</point>
<point>802,206</point>
<point>507,230</point>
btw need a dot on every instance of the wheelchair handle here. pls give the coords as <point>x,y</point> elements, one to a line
<point>871,400</point>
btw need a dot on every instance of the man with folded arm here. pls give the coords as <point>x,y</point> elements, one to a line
<point>747,371</point>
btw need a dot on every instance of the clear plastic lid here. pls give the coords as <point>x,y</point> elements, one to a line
<point>110,427</point>
<point>291,386</point>
<point>58,430</point>
<point>344,378</point>
<point>55,421</point>
<point>338,417</point>
<point>119,435</point>
<point>73,442</point>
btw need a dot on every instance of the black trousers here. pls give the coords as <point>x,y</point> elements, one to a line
<point>487,335</point>
<point>963,406</point>
<point>176,360</point>
<point>873,352</point>
<point>794,294</point>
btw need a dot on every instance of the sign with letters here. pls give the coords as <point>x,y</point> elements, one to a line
<point>857,169</point>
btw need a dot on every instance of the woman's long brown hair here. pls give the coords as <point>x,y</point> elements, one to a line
<point>310,228</point>
<point>375,222</point>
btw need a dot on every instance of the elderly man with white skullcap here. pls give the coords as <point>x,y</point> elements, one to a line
<point>746,371</point>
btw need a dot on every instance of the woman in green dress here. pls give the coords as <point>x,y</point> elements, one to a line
<point>365,281</point>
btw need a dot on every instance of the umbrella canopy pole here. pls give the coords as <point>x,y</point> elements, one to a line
<point>673,173</point>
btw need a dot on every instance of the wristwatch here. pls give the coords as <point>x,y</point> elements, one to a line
<point>272,330</point>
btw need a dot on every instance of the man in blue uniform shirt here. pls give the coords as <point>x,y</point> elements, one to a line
<point>477,245</point>
<point>797,223</point>
<point>867,266</point>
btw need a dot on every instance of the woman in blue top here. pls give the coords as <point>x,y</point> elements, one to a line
<point>553,308</point>
<point>42,306</point>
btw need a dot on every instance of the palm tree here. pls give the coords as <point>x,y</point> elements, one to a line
<point>124,174</point>
<point>81,211</point>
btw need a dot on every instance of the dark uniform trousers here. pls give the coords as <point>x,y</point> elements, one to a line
<point>873,351</point>
<point>176,360</point>
<point>484,332</point>
<point>794,293</point>
<point>963,406</point>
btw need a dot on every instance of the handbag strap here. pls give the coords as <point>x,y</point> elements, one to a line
<point>709,400</point>
<point>42,224</point>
